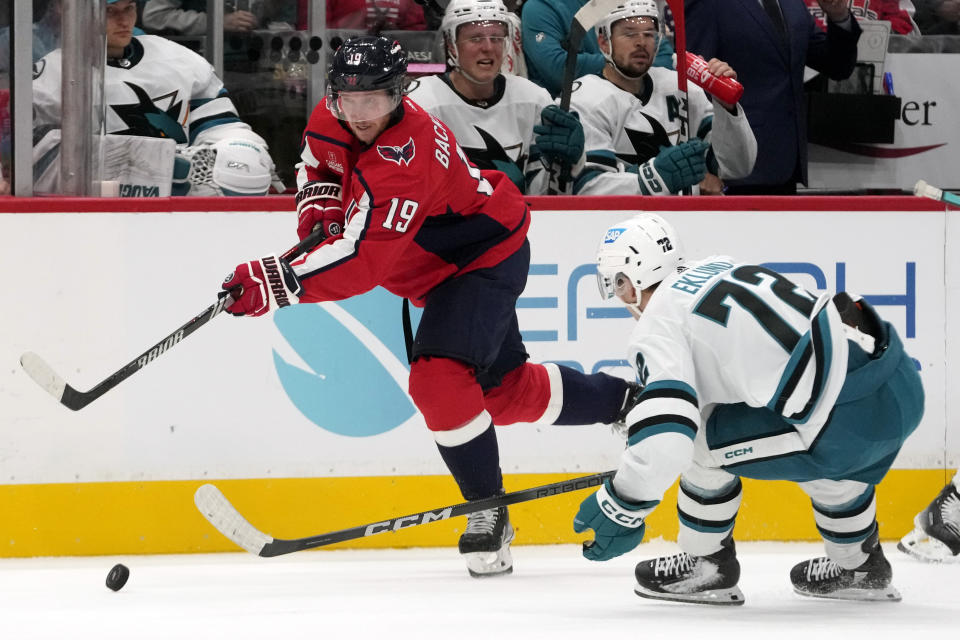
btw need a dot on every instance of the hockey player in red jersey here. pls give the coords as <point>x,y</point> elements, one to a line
<point>425,224</point>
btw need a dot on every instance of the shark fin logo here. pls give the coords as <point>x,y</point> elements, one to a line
<point>401,155</point>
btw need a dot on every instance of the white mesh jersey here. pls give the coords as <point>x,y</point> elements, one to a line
<point>624,130</point>
<point>157,89</point>
<point>727,332</point>
<point>494,133</point>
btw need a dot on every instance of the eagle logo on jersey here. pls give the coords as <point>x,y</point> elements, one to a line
<point>401,155</point>
<point>145,118</point>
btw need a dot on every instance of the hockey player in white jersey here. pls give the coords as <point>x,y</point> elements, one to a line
<point>492,113</point>
<point>748,375</point>
<point>631,117</point>
<point>157,89</point>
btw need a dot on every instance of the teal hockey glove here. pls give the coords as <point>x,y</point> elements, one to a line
<point>559,137</point>
<point>674,168</point>
<point>617,525</point>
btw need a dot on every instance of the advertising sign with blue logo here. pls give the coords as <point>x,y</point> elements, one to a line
<point>321,389</point>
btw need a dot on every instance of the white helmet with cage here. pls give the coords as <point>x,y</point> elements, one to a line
<point>461,12</point>
<point>642,251</point>
<point>629,9</point>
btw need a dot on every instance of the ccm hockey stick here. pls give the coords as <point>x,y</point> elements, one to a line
<point>922,188</point>
<point>217,509</point>
<point>48,379</point>
<point>583,20</point>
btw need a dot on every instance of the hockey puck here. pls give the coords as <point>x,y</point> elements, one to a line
<point>117,577</point>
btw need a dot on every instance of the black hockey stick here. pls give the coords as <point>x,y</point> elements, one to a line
<point>583,20</point>
<point>52,383</point>
<point>926,190</point>
<point>217,509</point>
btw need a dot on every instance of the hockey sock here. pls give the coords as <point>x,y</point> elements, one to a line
<point>706,516</point>
<point>590,398</point>
<point>475,465</point>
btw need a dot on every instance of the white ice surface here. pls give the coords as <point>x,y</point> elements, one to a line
<point>426,594</point>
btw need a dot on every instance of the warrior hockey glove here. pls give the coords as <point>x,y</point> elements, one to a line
<point>617,525</point>
<point>674,168</point>
<point>559,137</point>
<point>319,203</point>
<point>256,287</point>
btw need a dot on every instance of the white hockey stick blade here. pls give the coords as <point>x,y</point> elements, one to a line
<point>43,375</point>
<point>591,13</point>
<point>926,190</point>
<point>227,520</point>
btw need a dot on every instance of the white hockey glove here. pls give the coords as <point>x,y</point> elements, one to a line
<point>230,167</point>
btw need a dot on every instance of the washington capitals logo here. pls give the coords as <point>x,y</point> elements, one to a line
<point>401,155</point>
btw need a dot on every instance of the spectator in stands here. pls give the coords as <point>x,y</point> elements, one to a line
<point>938,17</point>
<point>768,42</point>
<point>375,16</point>
<point>46,32</point>
<point>631,118</point>
<point>896,12</point>
<point>189,17</point>
<point>492,114</point>
<point>157,91</point>
<point>545,27</point>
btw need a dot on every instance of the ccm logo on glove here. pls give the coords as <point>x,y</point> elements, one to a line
<point>615,513</point>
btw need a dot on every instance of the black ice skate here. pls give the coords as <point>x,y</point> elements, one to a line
<point>824,578</point>
<point>708,579</point>
<point>486,543</point>
<point>936,534</point>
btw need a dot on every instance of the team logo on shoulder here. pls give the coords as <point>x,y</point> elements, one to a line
<point>334,163</point>
<point>401,155</point>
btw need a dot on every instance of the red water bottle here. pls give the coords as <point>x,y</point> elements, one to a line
<point>724,89</point>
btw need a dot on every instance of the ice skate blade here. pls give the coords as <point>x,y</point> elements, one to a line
<point>889,594</point>
<point>489,564</point>
<point>919,545</point>
<point>717,597</point>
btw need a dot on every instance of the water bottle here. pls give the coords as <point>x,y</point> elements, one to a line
<point>726,90</point>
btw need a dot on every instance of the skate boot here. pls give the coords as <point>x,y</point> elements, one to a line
<point>708,579</point>
<point>936,534</point>
<point>486,543</point>
<point>824,578</point>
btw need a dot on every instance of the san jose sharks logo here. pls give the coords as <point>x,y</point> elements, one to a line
<point>145,118</point>
<point>496,156</point>
<point>401,155</point>
<point>646,145</point>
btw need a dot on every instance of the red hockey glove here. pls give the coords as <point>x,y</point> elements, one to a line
<point>319,203</point>
<point>256,287</point>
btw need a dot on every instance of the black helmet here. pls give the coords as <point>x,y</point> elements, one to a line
<point>366,63</point>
